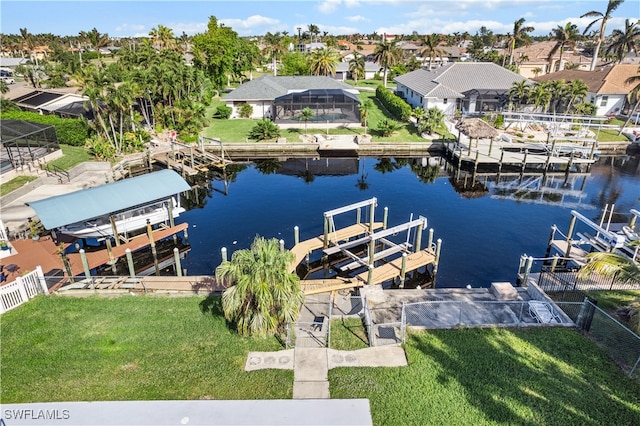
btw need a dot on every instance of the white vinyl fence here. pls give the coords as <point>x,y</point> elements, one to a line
<point>22,289</point>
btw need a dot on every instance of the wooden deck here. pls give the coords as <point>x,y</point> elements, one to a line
<point>196,285</point>
<point>327,285</point>
<point>391,270</point>
<point>301,249</point>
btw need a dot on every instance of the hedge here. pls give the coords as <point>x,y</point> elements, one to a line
<point>394,104</point>
<point>70,131</point>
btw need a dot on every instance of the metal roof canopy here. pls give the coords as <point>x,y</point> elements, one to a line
<point>113,197</point>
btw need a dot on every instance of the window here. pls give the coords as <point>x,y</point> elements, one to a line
<point>604,101</point>
<point>445,100</point>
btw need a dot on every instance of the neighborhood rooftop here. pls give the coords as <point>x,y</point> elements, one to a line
<point>270,87</point>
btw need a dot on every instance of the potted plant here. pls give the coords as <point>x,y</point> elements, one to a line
<point>4,245</point>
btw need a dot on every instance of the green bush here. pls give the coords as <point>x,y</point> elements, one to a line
<point>223,111</point>
<point>264,129</point>
<point>245,110</point>
<point>70,131</point>
<point>499,121</point>
<point>387,127</point>
<point>394,104</point>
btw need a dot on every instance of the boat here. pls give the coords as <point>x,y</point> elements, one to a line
<point>125,221</point>
<point>630,234</point>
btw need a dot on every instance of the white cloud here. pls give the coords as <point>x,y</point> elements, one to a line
<point>329,6</point>
<point>357,18</point>
<point>187,27</point>
<point>251,22</point>
<point>428,26</point>
<point>129,27</point>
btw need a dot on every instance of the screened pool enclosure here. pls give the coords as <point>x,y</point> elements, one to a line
<point>24,142</point>
<point>333,105</point>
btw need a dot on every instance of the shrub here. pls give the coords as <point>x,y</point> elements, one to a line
<point>394,104</point>
<point>499,121</point>
<point>264,129</point>
<point>245,110</point>
<point>100,148</point>
<point>70,131</point>
<point>387,127</point>
<point>223,112</point>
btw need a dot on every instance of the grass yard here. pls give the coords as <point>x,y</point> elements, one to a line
<point>610,300</point>
<point>15,183</point>
<point>611,135</point>
<point>348,334</point>
<point>73,155</point>
<point>60,348</point>
<point>550,376</point>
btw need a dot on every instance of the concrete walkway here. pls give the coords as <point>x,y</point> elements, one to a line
<point>311,365</point>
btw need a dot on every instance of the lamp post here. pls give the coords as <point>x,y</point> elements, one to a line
<point>299,47</point>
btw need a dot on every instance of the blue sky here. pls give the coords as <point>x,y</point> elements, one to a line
<point>135,18</point>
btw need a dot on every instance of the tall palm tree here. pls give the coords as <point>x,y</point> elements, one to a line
<point>324,61</point>
<point>264,296</point>
<point>633,97</point>
<point>519,35</point>
<point>305,115</point>
<point>558,89</point>
<point>603,18</point>
<point>314,31</point>
<point>365,107</point>
<point>357,67</point>
<point>566,36</point>
<point>162,37</point>
<point>432,47</point>
<point>386,55</point>
<point>540,96</point>
<point>273,48</point>
<point>625,41</point>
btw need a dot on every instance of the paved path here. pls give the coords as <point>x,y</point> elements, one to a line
<point>311,365</point>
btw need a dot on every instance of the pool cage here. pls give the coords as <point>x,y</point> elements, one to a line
<point>24,142</point>
<point>333,105</point>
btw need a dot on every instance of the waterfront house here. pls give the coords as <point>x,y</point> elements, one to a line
<point>471,87</point>
<point>608,89</point>
<point>282,98</point>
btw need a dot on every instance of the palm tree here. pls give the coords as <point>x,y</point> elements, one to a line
<point>576,90</point>
<point>324,61</point>
<point>519,90</point>
<point>633,97</point>
<point>357,67</point>
<point>305,115</point>
<point>97,40</point>
<point>625,270</point>
<point>4,87</point>
<point>432,120</point>
<point>625,41</point>
<point>603,18</point>
<point>162,37</point>
<point>386,55</point>
<point>27,43</point>
<point>273,48</point>
<point>364,108</point>
<point>432,47</point>
<point>519,35</point>
<point>566,36</point>
<point>264,296</point>
<point>558,89</point>
<point>540,96</point>
<point>314,31</point>
<point>536,71</point>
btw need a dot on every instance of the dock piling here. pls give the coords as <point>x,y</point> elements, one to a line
<point>370,275</point>
<point>384,219</point>
<point>358,215</point>
<point>403,269</point>
<point>85,264</point>
<point>554,228</point>
<point>281,245</point>
<point>418,238</point>
<point>223,252</point>
<point>554,262</point>
<point>296,235</point>
<point>176,257</point>
<point>132,269</point>
<point>430,240</point>
<point>572,224</point>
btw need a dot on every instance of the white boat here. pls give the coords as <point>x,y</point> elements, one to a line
<point>125,221</point>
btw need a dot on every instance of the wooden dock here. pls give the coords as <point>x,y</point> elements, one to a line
<point>328,285</point>
<point>196,285</point>
<point>303,248</point>
<point>499,153</point>
<point>391,270</point>
<point>189,160</point>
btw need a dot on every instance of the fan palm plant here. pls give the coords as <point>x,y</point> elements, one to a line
<point>264,296</point>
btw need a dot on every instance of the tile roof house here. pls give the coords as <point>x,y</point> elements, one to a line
<point>533,60</point>
<point>282,98</point>
<point>471,87</point>
<point>343,73</point>
<point>607,88</point>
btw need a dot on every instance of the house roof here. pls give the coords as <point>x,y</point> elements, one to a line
<point>476,128</point>
<point>11,130</point>
<point>606,80</point>
<point>90,203</point>
<point>452,81</point>
<point>539,53</point>
<point>12,62</point>
<point>269,87</point>
<point>368,67</point>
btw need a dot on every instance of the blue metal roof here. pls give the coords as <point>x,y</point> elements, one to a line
<point>112,197</point>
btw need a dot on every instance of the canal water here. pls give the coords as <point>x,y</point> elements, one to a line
<point>485,226</point>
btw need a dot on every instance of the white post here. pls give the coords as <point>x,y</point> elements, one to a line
<point>43,282</point>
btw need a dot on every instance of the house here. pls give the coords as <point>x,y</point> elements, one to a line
<point>471,87</point>
<point>343,73</point>
<point>608,89</point>
<point>533,60</point>
<point>282,98</point>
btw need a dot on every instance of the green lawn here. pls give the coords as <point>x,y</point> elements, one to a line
<point>610,300</point>
<point>129,348</point>
<point>549,376</point>
<point>15,183</point>
<point>611,135</point>
<point>73,155</point>
<point>348,334</point>
<point>236,130</point>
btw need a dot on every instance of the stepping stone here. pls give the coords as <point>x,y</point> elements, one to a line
<point>310,365</point>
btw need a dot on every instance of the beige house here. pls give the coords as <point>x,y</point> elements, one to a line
<point>533,60</point>
<point>608,89</point>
